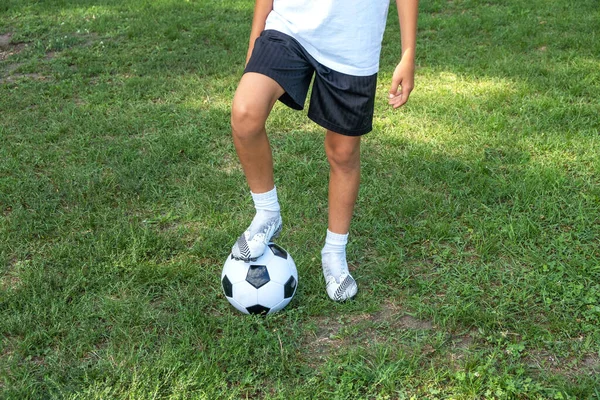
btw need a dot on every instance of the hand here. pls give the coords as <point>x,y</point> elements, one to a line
<point>403,82</point>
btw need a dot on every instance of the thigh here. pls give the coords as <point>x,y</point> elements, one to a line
<point>255,96</point>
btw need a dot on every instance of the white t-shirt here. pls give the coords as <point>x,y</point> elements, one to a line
<point>344,35</point>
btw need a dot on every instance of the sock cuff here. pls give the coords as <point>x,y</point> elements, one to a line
<point>336,238</point>
<point>266,201</point>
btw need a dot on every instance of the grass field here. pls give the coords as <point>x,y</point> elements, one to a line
<point>476,239</point>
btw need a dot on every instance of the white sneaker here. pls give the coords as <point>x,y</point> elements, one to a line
<point>252,243</point>
<point>342,287</point>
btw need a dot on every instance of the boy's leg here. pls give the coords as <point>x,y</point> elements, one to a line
<point>252,103</point>
<point>343,154</point>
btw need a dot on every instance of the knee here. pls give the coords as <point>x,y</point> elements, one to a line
<point>246,120</point>
<point>345,157</point>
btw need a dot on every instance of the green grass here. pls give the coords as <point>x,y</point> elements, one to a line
<point>475,242</point>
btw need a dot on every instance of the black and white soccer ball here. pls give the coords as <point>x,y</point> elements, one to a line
<point>264,286</point>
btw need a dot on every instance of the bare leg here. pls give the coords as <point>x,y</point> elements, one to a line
<point>343,154</point>
<point>252,103</point>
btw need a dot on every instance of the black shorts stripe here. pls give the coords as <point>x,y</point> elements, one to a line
<point>339,102</point>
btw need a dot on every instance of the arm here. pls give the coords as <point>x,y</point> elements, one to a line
<point>403,79</point>
<point>262,8</point>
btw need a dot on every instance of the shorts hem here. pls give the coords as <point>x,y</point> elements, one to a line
<point>338,129</point>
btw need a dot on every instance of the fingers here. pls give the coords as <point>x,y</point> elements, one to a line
<point>396,88</point>
<point>395,94</point>
<point>398,99</point>
<point>402,84</point>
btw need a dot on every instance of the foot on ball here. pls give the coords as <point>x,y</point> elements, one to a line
<point>252,243</point>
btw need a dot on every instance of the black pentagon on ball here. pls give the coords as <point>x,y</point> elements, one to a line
<point>227,286</point>
<point>289,288</point>
<point>278,251</point>
<point>258,309</point>
<point>258,275</point>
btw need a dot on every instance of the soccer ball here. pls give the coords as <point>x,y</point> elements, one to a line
<point>264,286</point>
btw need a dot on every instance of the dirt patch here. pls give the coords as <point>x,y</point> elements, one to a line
<point>8,48</point>
<point>410,322</point>
<point>11,67</point>
<point>10,278</point>
<point>5,40</point>
<point>325,339</point>
<point>588,364</point>
<point>50,55</point>
<point>458,347</point>
<point>462,342</point>
<point>367,329</point>
<point>9,281</point>
<point>18,77</point>
<point>398,318</point>
<point>591,362</point>
<point>389,326</point>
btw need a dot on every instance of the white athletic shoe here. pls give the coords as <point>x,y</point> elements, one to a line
<point>339,288</point>
<point>252,243</point>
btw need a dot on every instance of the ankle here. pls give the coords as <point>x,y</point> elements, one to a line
<point>267,201</point>
<point>335,243</point>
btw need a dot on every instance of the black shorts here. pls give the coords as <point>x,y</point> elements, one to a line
<point>338,102</point>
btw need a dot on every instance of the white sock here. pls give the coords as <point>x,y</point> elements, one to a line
<point>267,208</point>
<point>333,255</point>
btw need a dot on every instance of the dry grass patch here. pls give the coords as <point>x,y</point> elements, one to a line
<point>8,49</point>
<point>10,279</point>
<point>366,329</point>
<point>391,326</point>
<point>569,366</point>
<point>17,77</point>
